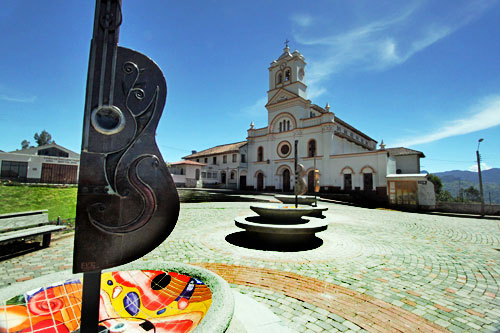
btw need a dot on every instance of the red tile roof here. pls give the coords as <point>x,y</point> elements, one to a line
<point>187,163</point>
<point>402,151</point>
<point>222,149</point>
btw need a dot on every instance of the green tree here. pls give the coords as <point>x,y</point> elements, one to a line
<point>44,138</point>
<point>472,194</point>
<point>25,144</point>
<point>444,196</point>
<point>438,185</point>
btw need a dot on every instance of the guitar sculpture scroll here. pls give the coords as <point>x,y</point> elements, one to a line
<point>127,202</point>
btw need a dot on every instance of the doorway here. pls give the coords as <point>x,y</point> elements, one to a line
<point>243,182</point>
<point>286,180</point>
<point>260,181</point>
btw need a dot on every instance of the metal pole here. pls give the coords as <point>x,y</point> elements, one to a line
<point>314,185</point>
<point>480,180</point>
<point>296,176</point>
<point>90,301</point>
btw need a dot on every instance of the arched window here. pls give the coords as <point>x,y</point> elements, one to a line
<point>288,125</point>
<point>260,154</point>
<point>311,148</point>
<point>281,127</point>
<point>280,78</point>
<point>197,174</point>
<point>233,175</point>
<point>287,75</point>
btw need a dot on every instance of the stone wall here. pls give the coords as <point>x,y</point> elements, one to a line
<point>467,208</point>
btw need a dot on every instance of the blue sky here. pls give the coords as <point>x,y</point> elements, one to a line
<point>422,74</point>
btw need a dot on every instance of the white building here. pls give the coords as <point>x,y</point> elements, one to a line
<point>187,173</point>
<point>226,165</point>
<point>50,163</point>
<point>347,159</point>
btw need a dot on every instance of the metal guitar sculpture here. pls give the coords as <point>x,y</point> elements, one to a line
<point>127,202</point>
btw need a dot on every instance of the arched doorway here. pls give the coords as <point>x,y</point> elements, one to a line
<point>310,181</point>
<point>223,177</point>
<point>260,181</point>
<point>286,180</point>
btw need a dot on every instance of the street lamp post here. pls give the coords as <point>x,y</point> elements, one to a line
<point>479,174</point>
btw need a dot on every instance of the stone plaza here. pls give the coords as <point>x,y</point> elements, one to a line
<point>376,270</point>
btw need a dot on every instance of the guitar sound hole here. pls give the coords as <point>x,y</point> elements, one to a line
<point>108,119</point>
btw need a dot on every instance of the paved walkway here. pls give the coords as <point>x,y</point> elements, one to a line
<point>377,270</point>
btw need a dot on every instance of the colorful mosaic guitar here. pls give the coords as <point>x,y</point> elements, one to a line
<point>131,301</point>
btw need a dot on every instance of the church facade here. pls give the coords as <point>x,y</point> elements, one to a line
<point>347,159</point>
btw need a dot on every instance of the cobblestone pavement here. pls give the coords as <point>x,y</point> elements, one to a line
<point>377,270</point>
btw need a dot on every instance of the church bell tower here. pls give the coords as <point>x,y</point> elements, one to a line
<point>288,72</point>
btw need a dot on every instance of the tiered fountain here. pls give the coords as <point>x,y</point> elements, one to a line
<point>287,225</point>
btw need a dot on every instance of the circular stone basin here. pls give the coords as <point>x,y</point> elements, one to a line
<point>168,297</point>
<point>301,199</point>
<point>311,226</point>
<point>282,213</point>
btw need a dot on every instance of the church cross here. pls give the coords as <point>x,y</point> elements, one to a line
<point>286,43</point>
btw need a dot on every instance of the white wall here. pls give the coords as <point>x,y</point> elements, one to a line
<point>35,162</point>
<point>408,163</point>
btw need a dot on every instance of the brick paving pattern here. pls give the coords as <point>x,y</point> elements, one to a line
<point>383,269</point>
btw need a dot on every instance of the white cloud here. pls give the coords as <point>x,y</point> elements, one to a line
<point>484,166</point>
<point>315,91</point>
<point>302,20</point>
<point>256,108</point>
<point>18,99</point>
<point>381,43</point>
<point>484,115</point>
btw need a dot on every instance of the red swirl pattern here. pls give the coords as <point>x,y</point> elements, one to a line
<point>45,303</point>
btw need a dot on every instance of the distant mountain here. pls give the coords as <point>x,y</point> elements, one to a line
<point>455,180</point>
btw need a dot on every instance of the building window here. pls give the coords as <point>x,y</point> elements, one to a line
<point>287,75</point>
<point>235,158</point>
<point>311,148</point>
<point>260,154</point>
<point>12,169</point>
<point>284,149</point>
<point>197,174</point>
<point>198,160</point>
<point>281,127</point>
<point>203,175</point>
<point>280,78</point>
<point>214,160</point>
<point>52,152</point>
<point>224,159</point>
<point>182,171</point>
<point>206,159</point>
<point>243,158</point>
<point>233,175</point>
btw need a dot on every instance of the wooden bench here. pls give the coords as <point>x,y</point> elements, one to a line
<point>26,225</point>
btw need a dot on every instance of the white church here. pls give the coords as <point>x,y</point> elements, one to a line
<point>347,159</point>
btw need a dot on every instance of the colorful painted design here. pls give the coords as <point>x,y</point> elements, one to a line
<point>131,301</point>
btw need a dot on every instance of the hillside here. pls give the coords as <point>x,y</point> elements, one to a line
<point>455,180</point>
